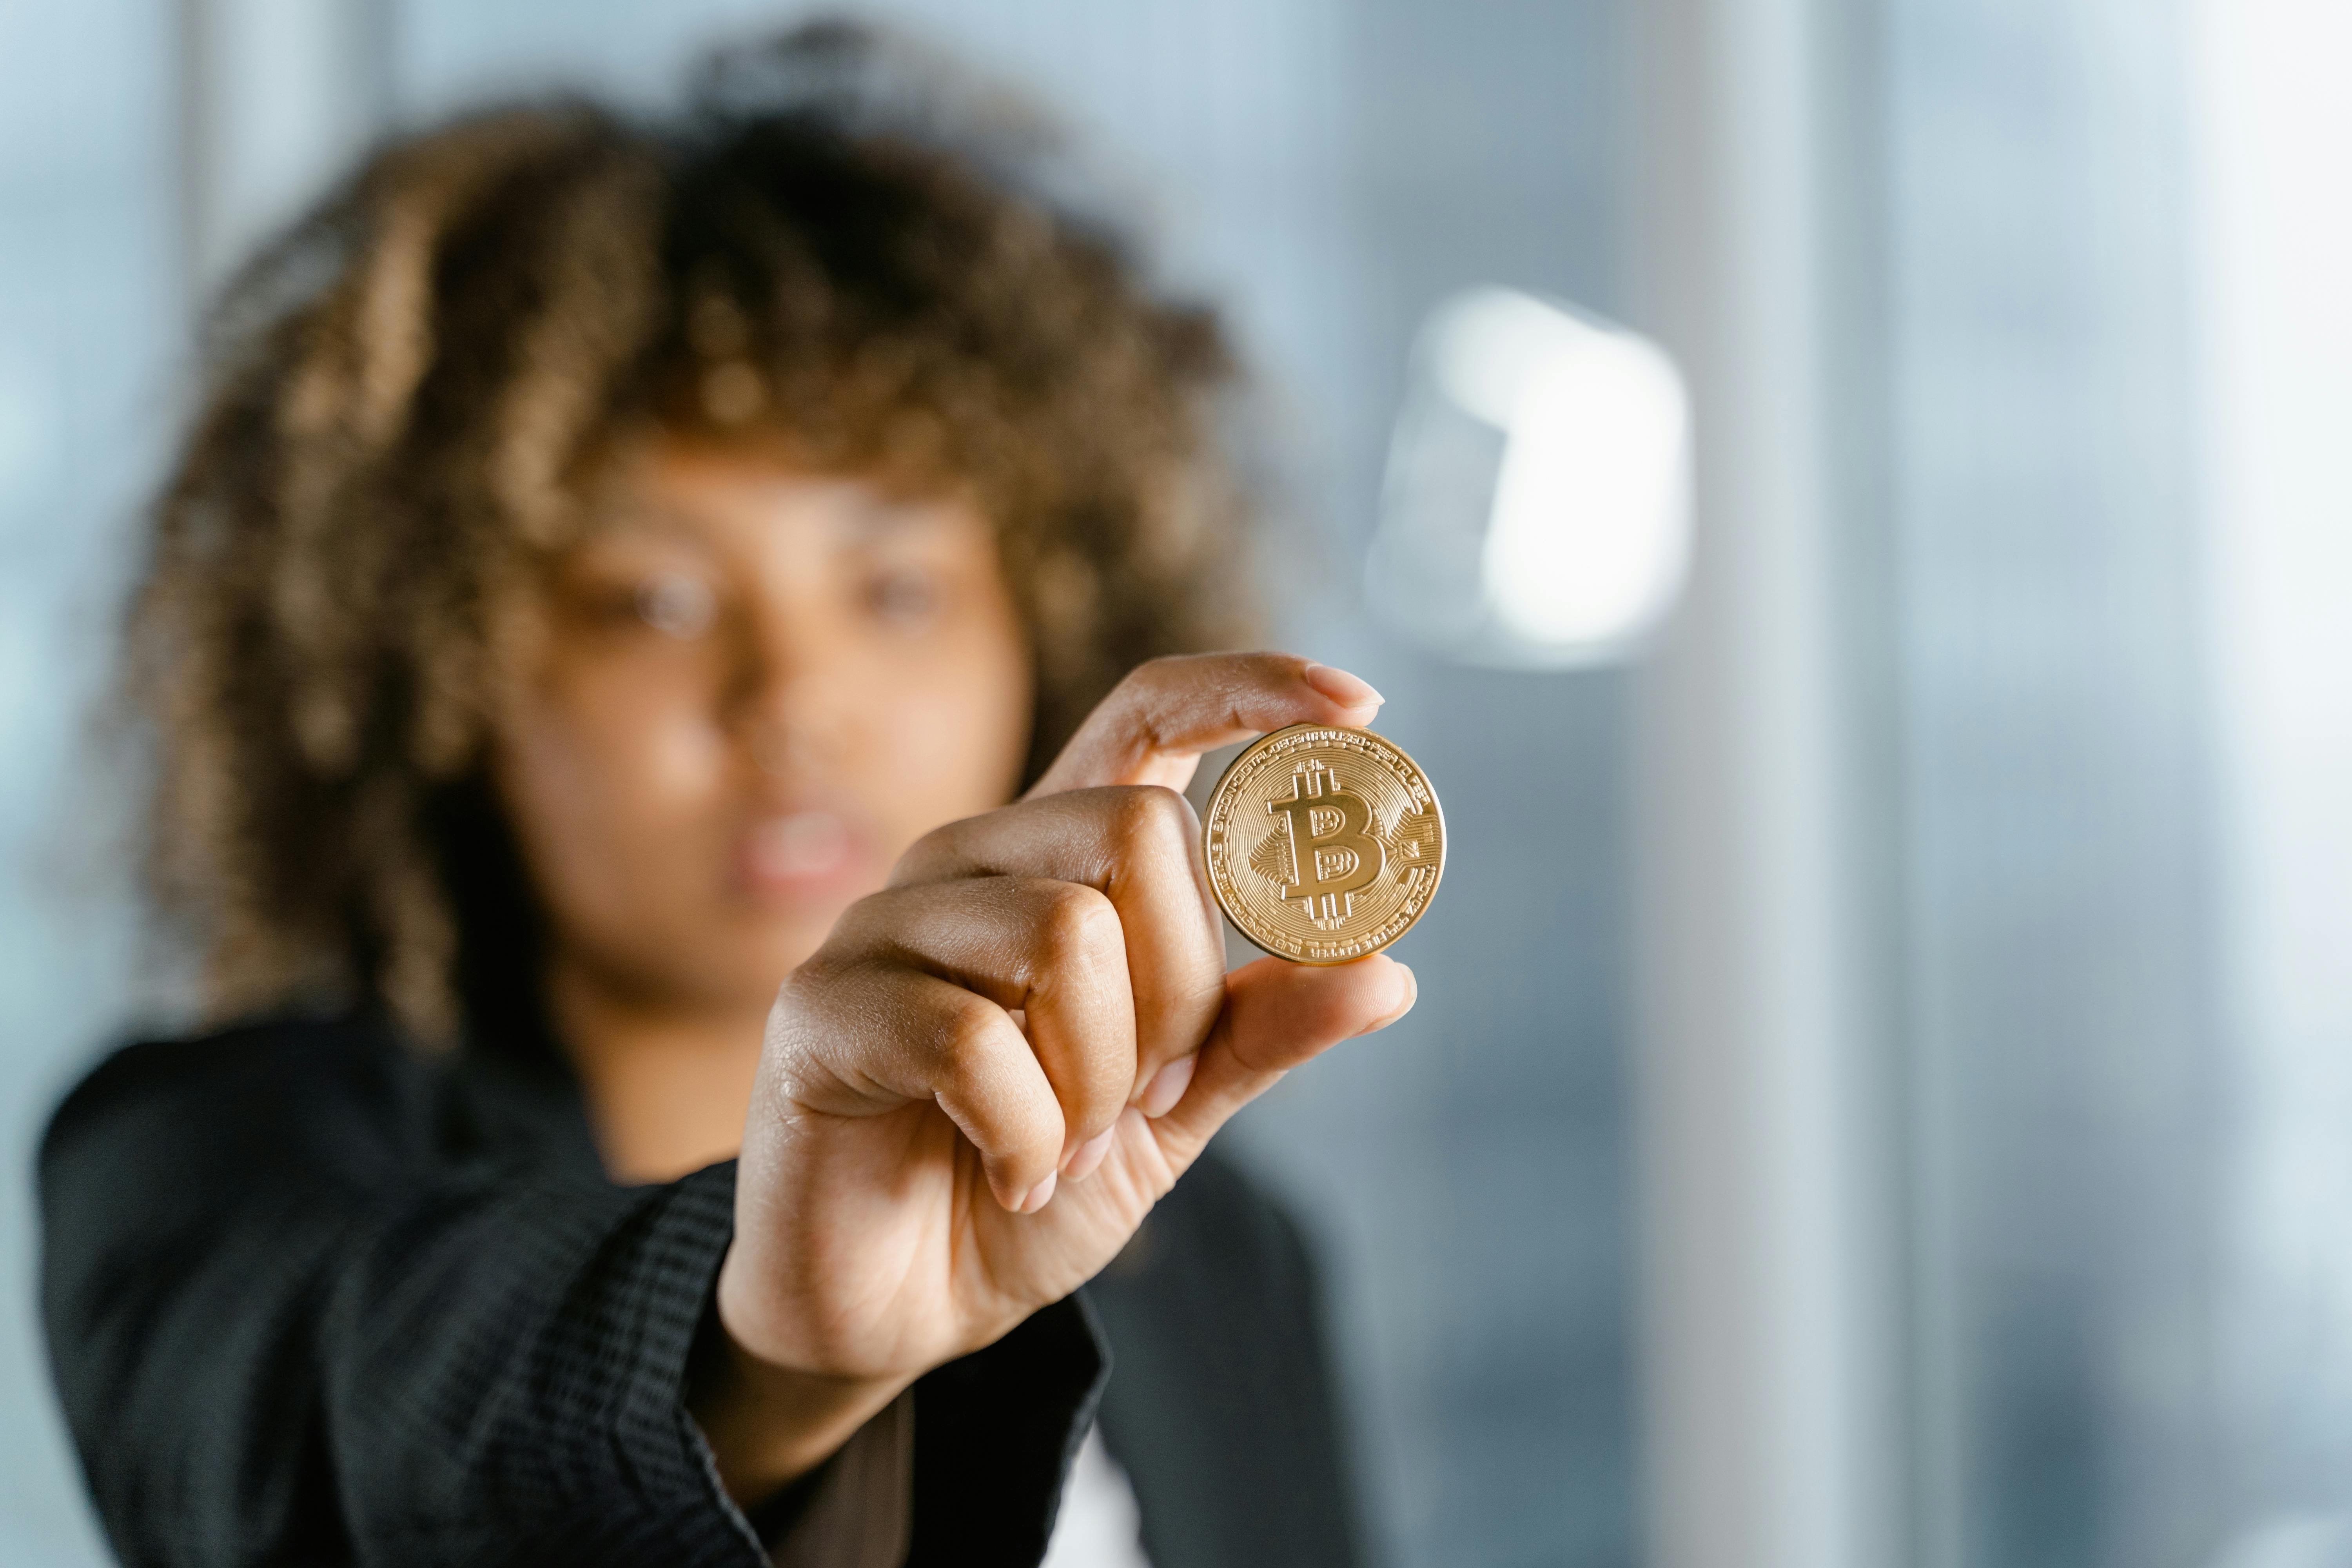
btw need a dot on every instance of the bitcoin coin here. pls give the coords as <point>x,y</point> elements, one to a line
<point>1324,844</point>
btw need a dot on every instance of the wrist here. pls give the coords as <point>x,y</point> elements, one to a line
<point>769,1422</point>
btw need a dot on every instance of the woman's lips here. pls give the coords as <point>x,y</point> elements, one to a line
<point>799,851</point>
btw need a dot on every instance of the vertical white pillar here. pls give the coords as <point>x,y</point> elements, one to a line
<point>2275,407</point>
<point>276,97</point>
<point>1771,1367</point>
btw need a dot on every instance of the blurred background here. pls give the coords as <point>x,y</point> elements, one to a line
<point>1883,1088</point>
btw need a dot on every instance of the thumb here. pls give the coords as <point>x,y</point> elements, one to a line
<point>1276,1015</point>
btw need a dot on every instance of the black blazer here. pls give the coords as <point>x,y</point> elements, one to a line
<point>314,1299</point>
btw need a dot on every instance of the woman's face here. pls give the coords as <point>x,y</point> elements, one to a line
<point>757,687</point>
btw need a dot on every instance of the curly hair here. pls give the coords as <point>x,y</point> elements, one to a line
<point>409,398</point>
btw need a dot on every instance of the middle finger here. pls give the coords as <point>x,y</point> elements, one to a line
<point>1047,948</point>
<point>1140,845</point>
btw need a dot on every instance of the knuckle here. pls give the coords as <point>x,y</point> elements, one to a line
<point>854,929</point>
<point>782,1032</point>
<point>963,1033</point>
<point>1075,923</point>
<point>937,844</point>
<point>812,979</point>
<point>1148,816</point>
<point>795,993</point>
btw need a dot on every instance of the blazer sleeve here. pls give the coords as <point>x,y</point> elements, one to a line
<point>283,1332</point>
<point>1225,1411</point>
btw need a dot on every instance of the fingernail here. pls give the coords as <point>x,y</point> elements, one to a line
<point>1412,994</point>
<point>1090,1154</point>
<point>1340,686</point>
<point>1167,1085</point>
<point>1039,1196</point>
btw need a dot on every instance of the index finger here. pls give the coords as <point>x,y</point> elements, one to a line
<point>1153,728</point>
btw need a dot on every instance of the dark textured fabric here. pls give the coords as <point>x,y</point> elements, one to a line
<point>285,1330</point>
<point>313,1299</point>
<point>1221,1410</point>
<point>1002,1509</point>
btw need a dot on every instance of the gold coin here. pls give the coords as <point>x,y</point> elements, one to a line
<point>1324,844</point>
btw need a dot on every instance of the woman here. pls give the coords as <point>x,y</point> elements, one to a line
<point>619,571</point>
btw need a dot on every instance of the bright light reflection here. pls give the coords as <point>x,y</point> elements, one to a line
<point>1565,540</point>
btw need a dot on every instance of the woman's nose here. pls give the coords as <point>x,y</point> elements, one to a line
<point>783,744</point>
<point>789,717</point>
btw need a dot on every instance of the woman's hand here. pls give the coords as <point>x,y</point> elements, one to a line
<point>972,1094</point>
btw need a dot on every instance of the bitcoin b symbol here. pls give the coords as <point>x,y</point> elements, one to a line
<point>1350,858</point>
<point>1332,850</point>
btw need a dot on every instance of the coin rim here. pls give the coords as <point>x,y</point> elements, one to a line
<point>1208,866</point>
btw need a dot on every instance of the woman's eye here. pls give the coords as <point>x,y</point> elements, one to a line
<point>903,596</point>
<point>677,604</point>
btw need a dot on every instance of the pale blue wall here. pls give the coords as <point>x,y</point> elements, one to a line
<point>88,331</point>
